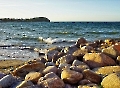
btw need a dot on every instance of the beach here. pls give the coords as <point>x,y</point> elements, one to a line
<point>59,55</point>
<point>83,64</point>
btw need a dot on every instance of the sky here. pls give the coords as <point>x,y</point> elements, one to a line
<point>62,10</point>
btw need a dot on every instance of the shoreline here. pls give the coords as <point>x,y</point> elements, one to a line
<point>87,63</point>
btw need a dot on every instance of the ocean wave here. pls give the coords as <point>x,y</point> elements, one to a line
<point>56,40</point>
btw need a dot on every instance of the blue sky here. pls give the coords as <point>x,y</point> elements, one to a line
<point>62,10</point>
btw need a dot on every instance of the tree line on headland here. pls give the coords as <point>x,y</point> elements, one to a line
<point>35,19</point>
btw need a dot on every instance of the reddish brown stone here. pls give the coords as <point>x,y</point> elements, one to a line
<point>92,76</point>
<point>94,60</point>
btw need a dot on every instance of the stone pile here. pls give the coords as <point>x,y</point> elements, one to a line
<point>83,65</point>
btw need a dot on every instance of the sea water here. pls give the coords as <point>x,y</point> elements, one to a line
<point>19,39</point>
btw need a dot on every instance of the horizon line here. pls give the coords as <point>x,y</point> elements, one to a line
<point>84,21</point>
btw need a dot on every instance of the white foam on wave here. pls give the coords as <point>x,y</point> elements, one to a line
<point>56,40</point>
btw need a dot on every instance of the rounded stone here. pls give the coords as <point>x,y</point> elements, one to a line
<point>118,60</point>
<point>71,77</point>
<point>94,60</point>
<point>79,53</point>
<point>79,66</point>
<point>33,76</point>
<point>49,64</point>
<point>110,51</point>
<point>92,76</point>
<point>107,70</point>
<point>50,54</point>
<point>84,82</point>
<point>2,75</point>
<point>50,75</point>
<point>63,65</point>
<point>25,84</point>
<point>7,81</point>
<point>81,41</point>
<point>50,69</point>
<point>51,80</point>
<point>66,59</point>
<point>111,81</point>
<point>68,86</point>
<point>87,48</point>
<point>26,68</point>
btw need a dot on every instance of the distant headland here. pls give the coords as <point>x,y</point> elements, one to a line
<point>35,19</point>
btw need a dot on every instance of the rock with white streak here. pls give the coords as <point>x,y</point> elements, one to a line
<point>7,81</point>
<point>25,84</point>
<point>1,75</point>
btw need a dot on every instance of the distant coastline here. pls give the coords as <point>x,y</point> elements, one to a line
<point>35,19</point>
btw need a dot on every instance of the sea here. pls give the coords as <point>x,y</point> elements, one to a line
<point>18,40</point>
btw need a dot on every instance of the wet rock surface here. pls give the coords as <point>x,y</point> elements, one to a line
<point>82,65</point>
